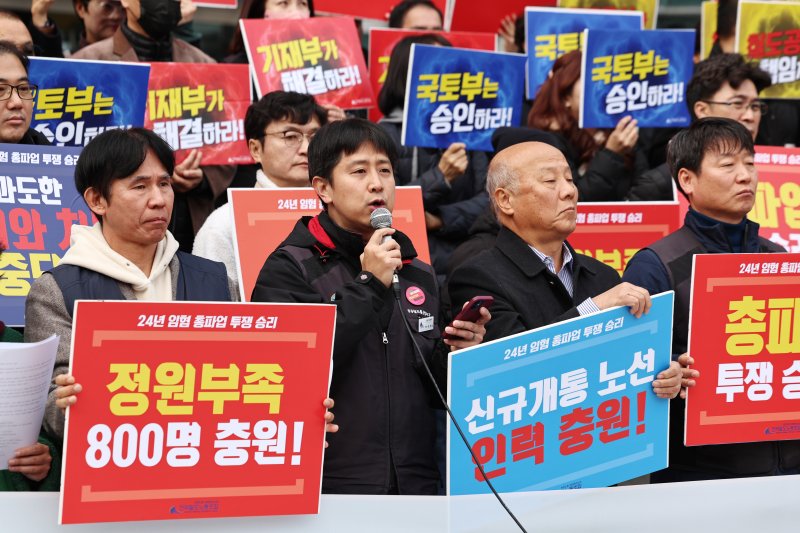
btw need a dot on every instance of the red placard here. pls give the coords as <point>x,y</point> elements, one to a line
<point>223,4</point>
<point>379,9</point>
<point>263,218</point>
<point>612,232</point>
<point>196,410</point>
<point>744,335</point>
<point>319,56</point>
<point>383,40</point>
<point>777,204</point>
<point>200,106</point>
<point>487,16</point>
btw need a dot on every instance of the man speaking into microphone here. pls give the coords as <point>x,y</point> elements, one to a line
<point>383,340</point>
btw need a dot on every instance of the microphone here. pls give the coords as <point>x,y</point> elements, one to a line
<point>382,218</point>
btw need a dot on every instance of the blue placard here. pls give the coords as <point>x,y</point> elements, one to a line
<point>38,206</point>
<point>643,74</point>
<point>456,95</point>
<point>552,32</point>
<point>569,405</point>
<point>79,99</point>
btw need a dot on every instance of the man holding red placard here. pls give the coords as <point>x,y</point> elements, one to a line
<point>125,178</point>
<point>712,163</point>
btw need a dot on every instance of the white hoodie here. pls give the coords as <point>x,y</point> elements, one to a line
<point>89,249</point>
<point>215,239</point>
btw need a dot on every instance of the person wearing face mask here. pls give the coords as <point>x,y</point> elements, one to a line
<point>145,36</point>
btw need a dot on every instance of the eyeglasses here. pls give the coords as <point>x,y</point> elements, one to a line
<point>26,91</point>
<point>108,7</point>
<point>756,106</point>
<point>293,139</point>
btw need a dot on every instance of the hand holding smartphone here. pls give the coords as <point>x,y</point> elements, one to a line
<point>471,312</point>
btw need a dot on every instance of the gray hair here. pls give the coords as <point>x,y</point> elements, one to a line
<point>501,175</point>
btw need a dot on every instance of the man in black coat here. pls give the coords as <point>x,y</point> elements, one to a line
<point>386,445</point>
<point>534,275</point>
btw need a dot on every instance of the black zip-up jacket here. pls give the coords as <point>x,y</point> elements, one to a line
<point>526,294</point>
<point>385,443</point>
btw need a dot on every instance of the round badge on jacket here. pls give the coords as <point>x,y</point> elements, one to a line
<point>415,295</point>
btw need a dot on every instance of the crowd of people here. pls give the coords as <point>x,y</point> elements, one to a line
<point>498,225</point>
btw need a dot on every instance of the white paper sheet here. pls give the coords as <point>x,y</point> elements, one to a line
<point>26,371</point>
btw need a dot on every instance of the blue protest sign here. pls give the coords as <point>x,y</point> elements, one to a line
<point>569,405</point>
<point>456,95</point>
<point>38,206</point>
<point>77,99</point>
<point>552,32</point>
<point>643,74</point>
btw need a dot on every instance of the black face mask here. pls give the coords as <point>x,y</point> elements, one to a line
<point>159,17</point>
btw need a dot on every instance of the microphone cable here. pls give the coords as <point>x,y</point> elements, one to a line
<point>451,415</point>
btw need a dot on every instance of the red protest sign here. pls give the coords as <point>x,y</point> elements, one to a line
<point>613,232</point>
<point>468,17</point>
<point>196,410</point>
<point>200,106</point>
<point>263,218</point>
<point>223,4</point>
<point>777,203</point>
<point>383,40</point>
<point>317,56</point>
<point>744,335</point>
<point>379,9</point>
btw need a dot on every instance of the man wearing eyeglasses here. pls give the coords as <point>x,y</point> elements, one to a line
<point>724,86</point>
<point>278,129</point>
<point>16,98</point>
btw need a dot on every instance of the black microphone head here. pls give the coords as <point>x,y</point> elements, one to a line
<point>381,218</point>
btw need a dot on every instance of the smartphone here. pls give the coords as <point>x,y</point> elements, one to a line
<point>472,311</point>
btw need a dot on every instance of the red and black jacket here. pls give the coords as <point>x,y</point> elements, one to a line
<point>383,404</point>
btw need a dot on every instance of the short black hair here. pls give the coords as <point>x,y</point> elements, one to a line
<point>393,92</point>
<point>399,11</point>
<point>707,135</point>
<point>281,105</point>
<point>116,154</point>
<point>8,48</point>
<point>710,74</point>
<point>342,138</point>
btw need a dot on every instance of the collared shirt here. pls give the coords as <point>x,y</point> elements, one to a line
<point>565,275</point>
